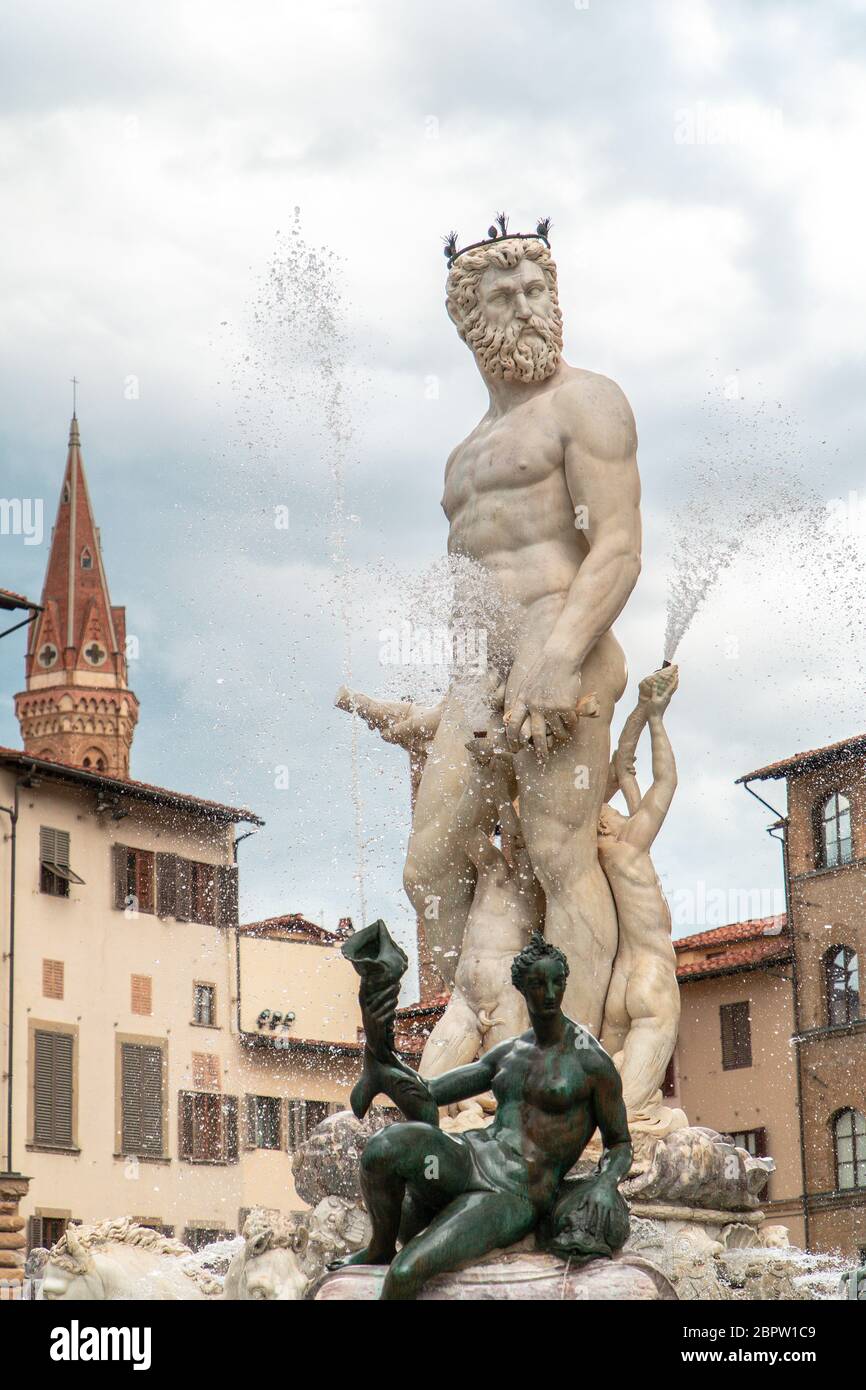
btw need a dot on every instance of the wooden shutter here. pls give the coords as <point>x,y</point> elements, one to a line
<point>736,1030</point>
<point>183,890</point>
<point>251,1122</point>
<point>230,1128</point>
<point>144,868</point>
<point>120,866</point>
<point>185,1123</point>
<point>54,845</point>
<point>34,1232</point>
<point>52,1085</point>
<point>227,895</point>
<point>203,879</point>
<point>141,1099</point>
<point>166,884</point>
<point>52,979</point>
<point>296,1127</point>
<point>141,989</point>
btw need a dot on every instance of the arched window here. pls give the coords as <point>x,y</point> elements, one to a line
<point>842,981</point>
<point>836,843</point>
<point>86,559</point>
<point>849,1135</point>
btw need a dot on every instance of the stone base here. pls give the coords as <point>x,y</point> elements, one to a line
<point>516,1276</point>
<point>13,1238</point>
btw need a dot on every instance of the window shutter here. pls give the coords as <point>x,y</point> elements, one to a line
<point>166,884</point>
<point>736,1031</point>
<point>52,979</point>
<point>230,1122</point>
<point>227,895</point>
<point>141,1099</point>
<point>183,890</point>
<point>251,1122</point>
<point>151,1101</point>
<point>144,867</point>
<point>120,862</point>
<point>52,1085</point>
<point>185,1123</point>
<point>141,988</point>
<point>34,1232</point>
<point>296,1130</point>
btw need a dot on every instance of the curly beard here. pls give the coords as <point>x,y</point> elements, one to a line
<point>506,353</point>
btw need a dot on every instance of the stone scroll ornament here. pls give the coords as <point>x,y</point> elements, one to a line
<point>381,964</point>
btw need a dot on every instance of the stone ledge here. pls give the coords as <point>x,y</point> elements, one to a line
<point>517,1276</point>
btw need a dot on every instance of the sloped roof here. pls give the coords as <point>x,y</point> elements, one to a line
<point>737,946</point>
<point>846,750</point>
<point>296,927</point>
<point>127,786</point>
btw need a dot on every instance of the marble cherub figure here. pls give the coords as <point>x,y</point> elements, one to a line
<point>642,1009</point>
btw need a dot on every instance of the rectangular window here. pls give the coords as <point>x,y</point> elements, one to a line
<point>264,1126</point>
<point>204,1004</point>
<point>754,1141</point>
<point>52,1088</point>
<point>208,1127</point>
<point>302,1118</point>
<point>141,989</point>
<point>141,1099</point>
<point>55,875</point>
<point>736,1028</point>
<point>197,1237</point>
<point>45,1231</point>
<point>52,979</point>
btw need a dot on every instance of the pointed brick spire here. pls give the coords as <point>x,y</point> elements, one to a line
<point>77,707</point>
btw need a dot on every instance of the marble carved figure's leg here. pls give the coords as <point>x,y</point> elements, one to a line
<point>456,1038</point>
<point>439,876</point>
<point>560,801</point>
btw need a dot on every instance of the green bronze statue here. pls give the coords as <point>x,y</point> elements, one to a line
<point>450,1198</point>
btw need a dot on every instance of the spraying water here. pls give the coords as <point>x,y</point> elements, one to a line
<point>298,341</point>
<point>749,493</point>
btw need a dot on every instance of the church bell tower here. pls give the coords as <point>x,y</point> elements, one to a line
<point>77,706</point>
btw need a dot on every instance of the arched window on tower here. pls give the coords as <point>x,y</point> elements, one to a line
<point>849,1138</point>
<point>86,559</point>
<point>837,845</point>
<point>842,984</point>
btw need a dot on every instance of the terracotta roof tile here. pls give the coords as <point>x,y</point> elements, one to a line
<point>744,946</point>
<point>847,749</point>
<point>295,926</point>
<point>750,930</point>
<point>9,599</point>
<point>127,785</point>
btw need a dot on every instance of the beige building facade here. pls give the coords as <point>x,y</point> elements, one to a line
<point>165,1062</point>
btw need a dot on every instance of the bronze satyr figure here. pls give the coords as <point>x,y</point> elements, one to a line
<point>449,1198</point>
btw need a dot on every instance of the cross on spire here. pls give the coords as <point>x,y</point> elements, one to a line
<point>75,384</point>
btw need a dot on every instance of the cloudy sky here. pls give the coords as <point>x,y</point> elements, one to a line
<point>226,221</point>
